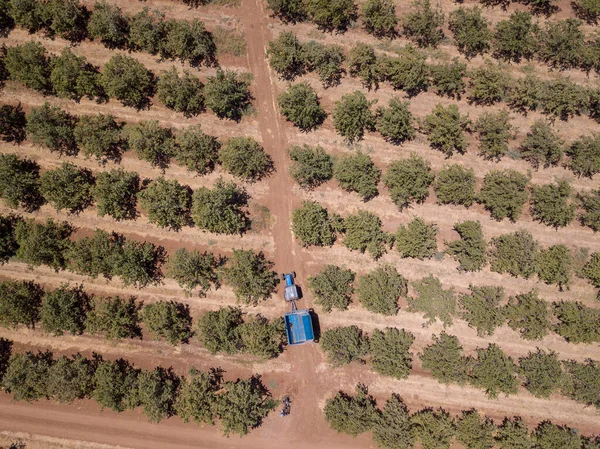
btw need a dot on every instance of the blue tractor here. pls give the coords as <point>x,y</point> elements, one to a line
<point>298,323</point>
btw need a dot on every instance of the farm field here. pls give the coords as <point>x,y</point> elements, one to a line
<point>306,373</point>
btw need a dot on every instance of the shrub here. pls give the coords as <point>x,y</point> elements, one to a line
<point>116,317</point>
<point>20,303</point>
<point>455,184</point>
<point>27,376</point>
<point>528,314</point>
<point>591,270</point>
<point>585,155</point>
<point>380,290</point>
<point>481,309</point>
<point>250,276</point>
<point>408,180</point>
<point>488,84</point>
<point>541,146</point>
<point>65,310</point>
<point>590,203</point>
<point>444,359</point>
<point>332,287</point>
<point>362,63</point>
<point>29,64</point>
<point>312,225</point>
<point>222,209</point>
<point>494,372</point>
<point>68,187</point>
<point>514,254</point>
<point>344,345</point>
<point>423,24</point>
<point>583,384</point>
<point>392,428</point>
<point>300,105</point>
<point>542,372</point>
<point>395,123</point>
<point>115,194</point>
<point>433,429</point>
<point>70,378</point>
<point>495,131</point>
<point>445,128</point>
<point>139,264</point>
<point>12,123</point>
<point>245,158</point>
<point>357,173</point>
<point>504,193</point>
<point>389,349</point>
<point>52,128</point>
<point>311,166</point>
<point>563,99</point>
<point>550,204</point>
<point>196,398</point>
<point>379,18</point>
<point>227,95</point>
<point>525,94</point>
<point>408,72</point>
<point>469,250</point>
<point>95,255</point>
<point>193,269</point>
<point>73,77</point>
<point>115,385</point>
<point>19,182</point>
<point>470,30</point>
<point>218,330</point>
<point>433,301</point>
<point>475,432</point>
<point>351,415</point>
<point>417,239</point>
<point>352,116</point>
<point>168,319</point>
<point>561,43</point>
<point>286,56</point>
<point>331,15</point>
<point>127,80</point>
<point>43,244</point>
<point>513,434</point>
<point>108,24</point>
<point>100,136</point>
<point>152,143</point>
<point>363,233</point>
<point>181,94</point>
<point>156,393</point>
<point>287,10</point>
<point>447,79</point>
<point>197,151</point>
<point>147,30</point>
<point>326,60</point>
<point>189,41</point>
<point>8,243</point>
<point>167,203</point>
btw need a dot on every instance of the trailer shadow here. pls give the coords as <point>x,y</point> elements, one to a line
<point>315,323</point>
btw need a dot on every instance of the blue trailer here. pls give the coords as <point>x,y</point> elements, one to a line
<point>298,323</point>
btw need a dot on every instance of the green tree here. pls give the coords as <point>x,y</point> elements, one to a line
<point>262,338</point>
<point>363,233</point>
<point>72,77</point>
<point>326,60</point>
<point>311,166</point>
<point>100,136</point>
<point>417,239</point>
<point>331,15</point>
<point>392,427</point>
<point>8,242</point>
<point>528,314</point>
<point>52,128</point>
<point>380,290</point>
<point>488,84</point>
<point>29,64</point>
<point>408,72</point>
<point>343,345</point>
<point>27,376</point>
<point>455,184</point>
<point>423,24</point>
<point>363,63</point>
<point>514,254</point>
<point>445,128</point>
<point>70,378</point>
<point>379,18</point>
<point>395,123</point>
<point>221,210</point>
<point>12,123</point>
<point>157,392</point>
<point>108,24</point>
<point>167,203</point>
<point>481,309</point>
<point>590,203</point>
<point>470,30</point>
<point>152,143</point>
<point>576,322</point>
<point>189,41</point>
<point>197,151</point>
<point>147,30</point>
<point>95,255</point>
<point>127,80</point>
<point>68,187</point>
<point>196,399</point>
<point>291,11</point>
<point>352,116</point>
<point>504,193</point>
<point>495,131</point>
<point>551,205</point>
<point>408,180</point>
<point>245,158</point>
<point>433,301</point>
<point>115,194</point>
<point>352,415</point>
<point>591,270</point>
<point>193,269</point>
<point>28,14</point>
<point>250,276</point>
<point>357,173</point>
<point>433,429</point>
<point>561,43</point>
<point>65,310</point>
<point>312,225</point>
<point>542,372</point>
<point>541,146</point>
<point>513,434</point>
<point>474,431</point>
<point>20,303</point>
<point>469,250</point>
<point>19,182</point>
<point>139,263</point>
<point>300,105</point>
<point>286,56</point>
<point>115,317</point>
<point>551,436</point>
<point>494,372</point>
<point>43,244</point>
<point>7,23</point>
<point>583,384</point>
<point>218,330</point>
<point>116,385</point>
<point>227,95</point>
<point>588,10</point>
<point>332,287</point>
<point>563,99</point>
<point>525,94</point>
<point>447,79</point>
<point>181,94</point>
<point>389,351</point>
<point>443,357</point>
<point>584,155</point>
<point>168,319</point>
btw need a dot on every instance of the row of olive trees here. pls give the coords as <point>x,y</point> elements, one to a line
<point>201,396</point>
<point>394,427</point>
<point>125,79</point>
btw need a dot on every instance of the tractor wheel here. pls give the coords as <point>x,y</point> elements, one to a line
<point>294,274</point>
<point>282,277</point>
